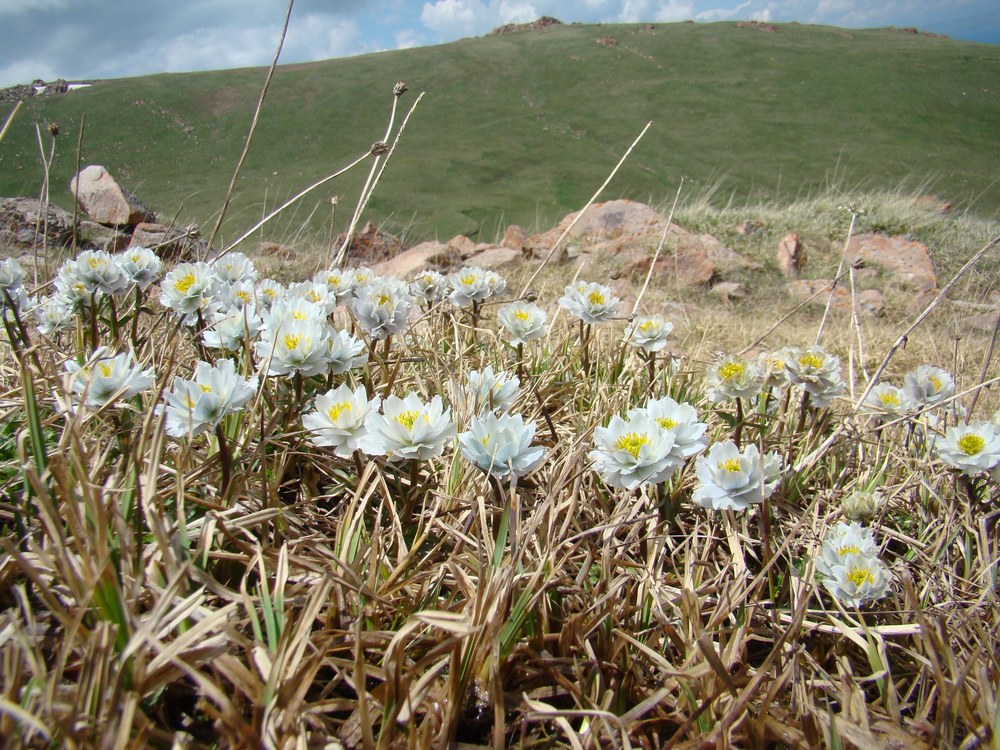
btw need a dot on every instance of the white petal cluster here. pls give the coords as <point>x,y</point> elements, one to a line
<point>408,428</point>
<point>488,391</point>
<point>649,333</point>
<point>524,321</point>
<point>816,372</point>
<point>501,445</point>
<point>230,330</point>
<point>140,265</point>
<point>730,479</point>
<point>861,505</point>
<point>590,302</point>
<point>233,267</point>
<point>634,451</point>
<point>889,400</point>
<point>98,272</point>
<point>55,314</point>
<point>928,385</point>
<point>338,419</point>
<point>339,283</point>
<point>970,448</point>
<point>772,366</point>
<point>472,284</point>
<point>382,307</point>
<point>105,377</point>
<point>850,567</point>
<point>268,291</point>
<point>296,346</point>
<point>346,352</point>
<point>315,292</point>
<point>188,287</point>
<point>429,287</point>
<point>196,405</point>
<point>11,276</point>
<point>732,377</point>
<point>680,419</point>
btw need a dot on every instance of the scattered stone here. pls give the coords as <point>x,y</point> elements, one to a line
<point>750,227</point>
<point>92,234</point>
<point>432,254</point>
<point>727,291</point>
<point>24,224</point>
<point>462,245</point>
<point>724,258</point>
<point>689,265</point>
<point>275,248</point>
<point>513,28</point>
<point>758,25</point>
<point>870,301</point>
<point>791,256</point>
<point>104,200</point>
<point>515,237</point>
<point>909,262</point>
<point>167,242</point>
<point>605,221</point>
<point>607,41</point>
<point>370,246</point>
<point>494,258</point>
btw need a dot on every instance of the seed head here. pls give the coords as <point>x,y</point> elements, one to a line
<point>399,89</point>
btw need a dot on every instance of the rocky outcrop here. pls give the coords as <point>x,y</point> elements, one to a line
<point>370,246</point>
<point>909,263</point>
<point>791,255</point>
<point>105,201</point>
<point>170,243</point>
<point>25,223</point>
<point>514,28</point>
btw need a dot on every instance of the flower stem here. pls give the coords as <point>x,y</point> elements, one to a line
<point>226,459</point>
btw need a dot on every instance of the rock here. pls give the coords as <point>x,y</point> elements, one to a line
<point>791,256</point>
<point>513,28</point>
<point>984,322</point>
<point>370,246</point>
<point>274,248</point>
<point>514,237</point>
<point>105,201</point>
<point>750,227</point>
<point>724,258</point>
<point>604,221</point>
<point>92,234</point>
<point>871,302</point>
<point>432,254</point>
<point>462,245</point>
<point>909,262</point>
<point>689,265</point>
<point>167,242</point>
<point>607,41</point>
<point>24,224</point>
<point>758,25</point>
<point>493,257</point>
<point>727,291</point>
<point>918,302</point>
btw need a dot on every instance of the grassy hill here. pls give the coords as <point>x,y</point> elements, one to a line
<point>522,128</point>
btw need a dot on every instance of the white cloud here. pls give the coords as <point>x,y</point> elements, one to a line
<point>454,17</point>
<point>407,39</point>
<point>26,71</point>
<point>13,7</point>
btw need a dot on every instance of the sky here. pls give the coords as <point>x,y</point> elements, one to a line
<point>90,39</point>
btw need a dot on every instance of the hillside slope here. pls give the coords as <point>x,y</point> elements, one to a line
<point>521,128</point>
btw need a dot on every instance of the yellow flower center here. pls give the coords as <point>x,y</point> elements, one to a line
<point>469,279</point>
<point>270,293</point>
<point>95,262</point>
<point>205,388</point>
<point>596,298</point>
<point>189,402</point>
<point>971,444</point>
<point>105,369</point>
<point>292,340</point>
<point>521,315</point>
<point>135,258</point>
<point>811,359</point>
<point>731,465</point>
<point>935,381</point>
<point>645,325</point>
<point>632,442</point>
<point>889,398</point>
<point>666,423</point>
<point>849,549</point>
<point>383,299</point>
<point>859,576</point>
<point>313,296</point>
<point>243,295</point>
<point>485,440</point>
<point>337,408</point>
<point>299,315</point>
<point>731,370</point>
<point>184,283</point>
<point>407,418</point>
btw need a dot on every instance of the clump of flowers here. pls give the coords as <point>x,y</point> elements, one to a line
<point>733,378</point>
<point>888,400</point>
<point>730,479</point>
<point>187,288</point>
<point>429,287</point>
<point>635,451</point>
<point>681,420</point>
<point>590,302</point>
<point>382,307</point>
<point>649,333</point>
<point>501,445</point>
<point>487,390</point>
<point>472,285</point>
<point>140,265</point>
<point>928,385</point>
<point>408,428</point>
<point>523,321</point>
<point>817,373</point>
<point>105,378</point>
<point>196,405</point>
<point>338,419</point>
<point>971,448</point>
<point>849,565</point>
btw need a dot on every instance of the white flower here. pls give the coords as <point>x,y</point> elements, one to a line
<point>501,446</point>
<point>849,565</point>
<point>358,277</point>
<point>861,505</point>
<point>72,289</point>
<point>234,267</point>
<point>98,271</point>
<point>338,419</point>
<point>732,377</point>
<point>187,287</point>
<point>772,366</point>
<point>730,479</point>
<point>315,292</point>
<point>408,428</point>
<point>55,313</point>
<point>970,448</point>
<point>296,346</point>
<point>293,309</point>
<point>489,391</point>
<point>194,406</point>
<point>633,452</point>
<point>339,283</point>
<point>886,398</point>
<point>681,420</point>
<point>105,378</point>
<point>649,333</point>
<point>817,372</point>
<point>231,330</point>
<point>590,302</point>
<point>382,308</point>
<point>470,285</point>
<point>235,295</point>
<point>268,291</point>
<point>140,265</point>
<point>346,352</point>
<point>525,321</point>
<point>429,287</point>
<point>11,276</point>
<point>928,385</point>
